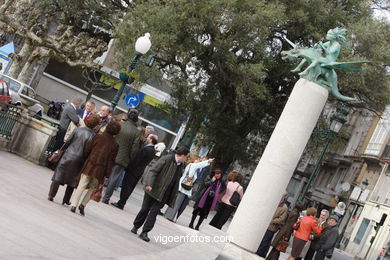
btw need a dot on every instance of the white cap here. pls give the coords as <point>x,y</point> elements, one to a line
<point>160,147</point>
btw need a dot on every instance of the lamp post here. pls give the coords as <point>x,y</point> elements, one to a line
<point>353,212</point>
<point>142,46</point>
<point>337,121</point>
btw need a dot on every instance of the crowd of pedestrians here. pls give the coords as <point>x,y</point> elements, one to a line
<point>312,238</point>
<point>99,148</point>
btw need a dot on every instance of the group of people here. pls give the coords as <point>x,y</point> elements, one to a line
<point>99,148</point>
<point>312,237</point>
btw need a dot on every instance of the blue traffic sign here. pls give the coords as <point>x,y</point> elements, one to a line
<point>132,100</point>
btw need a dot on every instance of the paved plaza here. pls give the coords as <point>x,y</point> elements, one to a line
<point>34,228</point>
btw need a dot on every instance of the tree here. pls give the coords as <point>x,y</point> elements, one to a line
<point>223,58</point>
<point>69,31</point>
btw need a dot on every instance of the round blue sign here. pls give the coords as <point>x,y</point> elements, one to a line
<point>132,100</point>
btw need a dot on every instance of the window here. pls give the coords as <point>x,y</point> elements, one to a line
<point>362,230</point>
<point>13,85</point>
<point>380,134</point>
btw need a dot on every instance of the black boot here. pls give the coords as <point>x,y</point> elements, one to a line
<point>144,236</point>
<point>81,209</point>
<point>67,195</point>
<point>199,223</point>
<point>191,225</point>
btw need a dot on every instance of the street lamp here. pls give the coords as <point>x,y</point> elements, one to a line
<point>142,46</point>
<point>337,121</point>
<point>353,212</point>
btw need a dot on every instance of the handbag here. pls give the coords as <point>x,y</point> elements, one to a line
<point>236,198</point>
<point>55,157</point>
<point>282,245</point>
<point>297,224</point>
<point>96,194</point>
<point>187,183</point>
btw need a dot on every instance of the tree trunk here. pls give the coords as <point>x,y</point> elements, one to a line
<point>25,73</point>
<point>89,95</point>
<point>20,60</point>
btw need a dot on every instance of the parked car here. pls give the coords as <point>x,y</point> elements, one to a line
<point>21,93</point>
<point>5,93</point>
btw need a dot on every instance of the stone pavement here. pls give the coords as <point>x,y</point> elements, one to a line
<point>34,228</point>
<point>31,227</point>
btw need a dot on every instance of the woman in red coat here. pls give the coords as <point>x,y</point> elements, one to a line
<point>307,225</point>
<point>101,152</point>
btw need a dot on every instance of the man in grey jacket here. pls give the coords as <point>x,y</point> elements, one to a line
<point>128,140</point>
<point>328,240</point>
<point>68,114</point>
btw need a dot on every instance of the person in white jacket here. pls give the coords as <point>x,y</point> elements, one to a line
<point>185,188</point>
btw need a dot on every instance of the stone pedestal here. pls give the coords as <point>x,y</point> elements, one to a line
<point>276,166</point>
<point>30,139</point>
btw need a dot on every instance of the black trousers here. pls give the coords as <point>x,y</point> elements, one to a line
<point>223,213</point>
<point>310,253</point>
<point>54,189</point>
<point>320,255</point>
<point>128,185</point>
<point>265,243</point>
<point>148,213</point>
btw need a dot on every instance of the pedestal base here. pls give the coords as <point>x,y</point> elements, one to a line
<point>234,252</point>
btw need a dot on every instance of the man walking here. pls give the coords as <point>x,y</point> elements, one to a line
<point>135,170</point>
<point>328,240</point>
<point>128,140</point>
<point>161,185</point>
<point>277,221</point>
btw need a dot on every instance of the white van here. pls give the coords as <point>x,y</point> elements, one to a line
<point>22,94</point>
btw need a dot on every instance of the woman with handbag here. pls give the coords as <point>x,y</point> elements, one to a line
<point>101,152</point>
<point>304,227</point>
<point>230,200</point>
<point>72,160</point>
<point>280,242</point>
<point>207,201</point>
<point>185,188</point>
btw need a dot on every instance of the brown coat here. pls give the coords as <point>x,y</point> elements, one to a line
<point>101,152</point>
<point>287,229</point>
<point>279,218</point>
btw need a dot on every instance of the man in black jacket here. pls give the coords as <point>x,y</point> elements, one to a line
<point>328,240</point>
<point>135,170</point>
<point>161,185</point>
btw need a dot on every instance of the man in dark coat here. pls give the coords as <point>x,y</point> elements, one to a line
<point>68,114</point>
<point>328,240</point>
<point>161,185</point>
<point>87,111</point>
<point>135,170</point>
<point>128,140</point>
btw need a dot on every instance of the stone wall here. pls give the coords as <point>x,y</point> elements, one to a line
<point>30,138</point>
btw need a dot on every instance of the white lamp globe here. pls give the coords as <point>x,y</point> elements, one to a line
<point>143,44</point>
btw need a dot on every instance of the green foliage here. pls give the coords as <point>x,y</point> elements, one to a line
<point>223,59</point>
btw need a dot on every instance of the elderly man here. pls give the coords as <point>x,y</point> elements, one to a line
<point>87,111</point>
<point>104,114</point>
<point>68,115</point>
<point>328,239</point>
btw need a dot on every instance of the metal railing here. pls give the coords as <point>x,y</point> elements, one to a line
<point>8,117</point>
